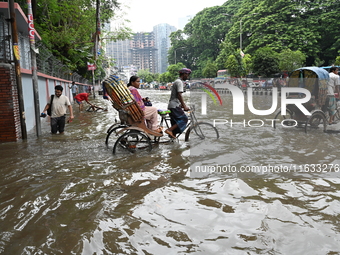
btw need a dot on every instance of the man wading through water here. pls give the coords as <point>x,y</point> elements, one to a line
<point>60,103</point>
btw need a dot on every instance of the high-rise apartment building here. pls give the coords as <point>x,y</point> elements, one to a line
<point>143,51</point>
<point>162,39</point>
<point>120,51</point>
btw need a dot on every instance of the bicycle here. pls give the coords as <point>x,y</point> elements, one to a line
<point>202,129</point>
<point>127,137</point>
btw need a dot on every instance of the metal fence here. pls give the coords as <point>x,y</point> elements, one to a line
<point>5,38</point>
<point>46,62</point>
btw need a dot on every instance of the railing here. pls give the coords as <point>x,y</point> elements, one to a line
<point>5,45</point>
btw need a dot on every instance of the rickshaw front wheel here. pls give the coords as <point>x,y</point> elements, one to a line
<point>285,120</point>
<point>133,142</point>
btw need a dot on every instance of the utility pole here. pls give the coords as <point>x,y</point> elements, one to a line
<point>96,42</point>
<point>31,32</point>
<point>175,50</point>
<point>16,54</point>
<point>226,14</point>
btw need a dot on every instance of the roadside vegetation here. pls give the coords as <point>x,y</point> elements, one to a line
<point>276,36</point>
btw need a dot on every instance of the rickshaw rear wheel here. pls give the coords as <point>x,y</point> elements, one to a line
<point>315,120</point>
<point>337,115</point>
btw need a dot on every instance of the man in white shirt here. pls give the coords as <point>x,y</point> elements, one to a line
<point>176,105</point>
<point>60,103</point>
<point>333,86</point>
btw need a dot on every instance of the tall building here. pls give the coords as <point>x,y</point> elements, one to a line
<point>143,51</point>
<point>120,51</point>
<point>162,39</point>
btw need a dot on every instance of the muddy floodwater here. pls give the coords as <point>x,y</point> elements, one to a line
<point>68,194</point>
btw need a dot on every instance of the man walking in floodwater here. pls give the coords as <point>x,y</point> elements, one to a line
<point>333,86</point>
<point>177,105</point>
<point>59,104</point>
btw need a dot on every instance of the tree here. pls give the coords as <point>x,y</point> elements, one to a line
<point>210,70</point>
<point>290,60</point>
<point>247,64</point>
<point>227,49</point>
<point>200,38</point>
<point>67,29</point>
<point>266,62</point>
<point>145,75</point>
<point>308,26</point>
<point>173,71</point>
<point>233,66</point>
<point>236,65</point>
<point>165,77</point>
<point>337,61</point>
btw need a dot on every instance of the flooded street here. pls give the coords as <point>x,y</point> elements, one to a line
<point>68,194</point>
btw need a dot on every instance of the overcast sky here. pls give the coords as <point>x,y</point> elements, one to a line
<point>145,14</point>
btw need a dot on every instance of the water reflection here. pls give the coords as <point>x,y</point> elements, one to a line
<point>67,194</point>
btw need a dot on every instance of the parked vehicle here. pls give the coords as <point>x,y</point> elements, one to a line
<point>315,80</point>
<point>253,85</point>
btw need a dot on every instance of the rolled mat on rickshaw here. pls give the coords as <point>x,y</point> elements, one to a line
<point>123,101</point>
<point>122,98</point>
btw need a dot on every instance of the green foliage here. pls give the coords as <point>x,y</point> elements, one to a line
<point>309,27</point>
<point>318,62</point>
<point>290,60</point>
<point>266,62</point>
<point>200,39</point>
<point>143,74</point>
<point>236,65</point>
<point>227,49</point>
<point>165,77</point>
<point>156,76</point>
<point>210,70</point>
<point>233,66</point>
<point>67,28</point>
<point>337,61</point>
<point>173,70</point>
<point>247,64</point>
<point>172,73</point>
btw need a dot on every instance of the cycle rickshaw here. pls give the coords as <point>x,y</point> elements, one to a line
<point>315,80</point>
<point>130,133</point>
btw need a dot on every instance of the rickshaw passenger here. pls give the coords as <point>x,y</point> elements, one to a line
<point>151,113</point>
<point>333,86</point>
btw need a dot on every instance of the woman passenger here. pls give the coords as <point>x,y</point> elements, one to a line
<point>151,114</point>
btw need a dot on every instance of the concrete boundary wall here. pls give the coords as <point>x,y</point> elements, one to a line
<point>10,128</point>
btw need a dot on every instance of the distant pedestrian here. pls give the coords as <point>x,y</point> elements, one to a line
<point>59,106</point>
<point>333,86</point>
<point>74,89</point>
